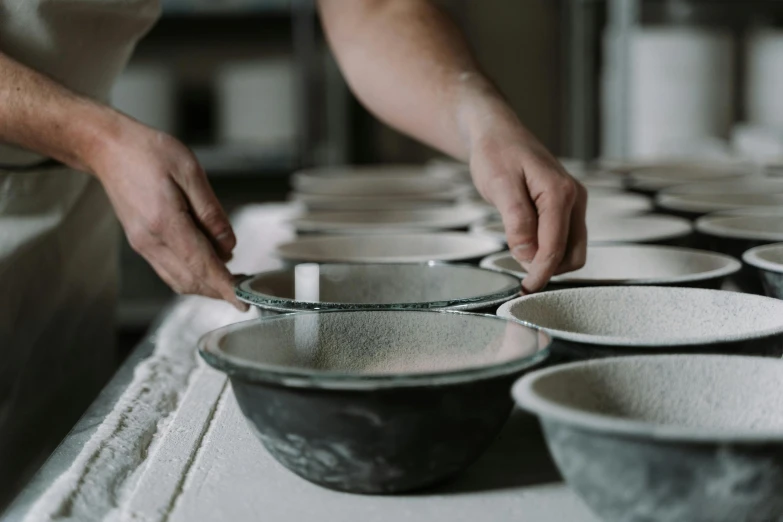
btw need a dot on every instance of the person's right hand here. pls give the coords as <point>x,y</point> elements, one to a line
<point>168,210</point>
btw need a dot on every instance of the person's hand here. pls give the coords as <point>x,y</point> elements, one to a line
<point>168,210</point>
<point>542,206</point>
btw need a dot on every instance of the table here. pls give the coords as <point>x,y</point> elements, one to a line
<point>165,442</point>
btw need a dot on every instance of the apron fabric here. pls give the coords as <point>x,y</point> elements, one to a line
<point>58,235</point>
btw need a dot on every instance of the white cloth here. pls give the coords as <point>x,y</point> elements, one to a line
<point>58,236</point>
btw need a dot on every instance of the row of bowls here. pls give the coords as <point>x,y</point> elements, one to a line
<point>373,387</point>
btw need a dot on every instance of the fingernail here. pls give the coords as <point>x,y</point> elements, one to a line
<point>227,241</point>
<point>523,253</point>
<point>242,307</point>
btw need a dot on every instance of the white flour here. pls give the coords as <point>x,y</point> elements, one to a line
<point>104,476</point>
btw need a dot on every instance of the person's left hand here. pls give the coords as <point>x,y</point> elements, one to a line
<point>542,206</point>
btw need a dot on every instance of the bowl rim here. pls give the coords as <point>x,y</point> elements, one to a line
<point>731,266</point>
<point>526,397</point>
<point>712,225</point>
<point>244,292</point>
<point>490,246</point>
<point>753,258</point>
<point>318,221</point>
<point>685,228</point>
<point>683,203</point>
<point>617,341</point>
<point>236,367</point>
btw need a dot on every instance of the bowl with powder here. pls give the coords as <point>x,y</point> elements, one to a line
<point>330,286</point>
<point>767,260</point>
<point>605,321</point>
<point>668,438</point>
<point>375,401</point>
<point>734,235</point>
<point>650,265</point>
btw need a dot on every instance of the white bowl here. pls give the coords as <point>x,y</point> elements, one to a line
<point>745,228</point>
<point>635,265</point>
<point>666,437</point>
<point>649,316</point>
<point>319,202</point>
<point>389,248</point>
<point>390,221</point>
<point>768,262</point>
<point>653,179</point>
<point>705,198</point>
<point>607,201</point>
<point>607,229</point>
<point>393,180</point>
<point>748,185</point>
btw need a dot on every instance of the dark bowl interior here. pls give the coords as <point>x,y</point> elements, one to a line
<point>375,401</point>
<point>346,286</point>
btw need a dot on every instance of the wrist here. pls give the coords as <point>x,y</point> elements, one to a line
<point>484,115</point>
<point>98,132</point>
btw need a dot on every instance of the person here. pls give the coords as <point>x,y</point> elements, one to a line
<point>70,163</point>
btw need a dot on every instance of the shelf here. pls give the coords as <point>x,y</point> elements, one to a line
<point>224,8</point>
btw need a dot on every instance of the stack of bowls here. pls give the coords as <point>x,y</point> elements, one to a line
<point>375,188</point>
<point>767,261</point>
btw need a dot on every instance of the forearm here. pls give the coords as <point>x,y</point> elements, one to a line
<point>39,114</point>
<point>409,64</point>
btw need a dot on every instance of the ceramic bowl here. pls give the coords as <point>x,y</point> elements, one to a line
<point>734,235</point>
<point>609,201</point>
<point>311,286</point>
<point>634,265</point>
<point>668,438</point>
<point>384,180</point>
<point>610,229</point>
<point>386,221</point>
<point>699,199</point>
<point>650,229</point>
<point>652,179</point>
<point>320,202</point>
<point>604,321</point>
<point>768,261</point>
<point>752,211</point>
<point>389,248</point>
<point>375,401</point>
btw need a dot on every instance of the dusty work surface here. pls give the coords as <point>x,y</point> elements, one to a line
<point>174,446</point>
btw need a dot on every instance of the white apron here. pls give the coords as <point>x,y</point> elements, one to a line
<point>58,235</point>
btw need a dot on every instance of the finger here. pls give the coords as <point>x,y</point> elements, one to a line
<point>212,277</point>
<point>205,207</point>
<point>520,220</point>
<point>554,206</point>
<point>576,250</point>
<point>166,264</point>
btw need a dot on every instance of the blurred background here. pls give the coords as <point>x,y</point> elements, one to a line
<point>251,86</point>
